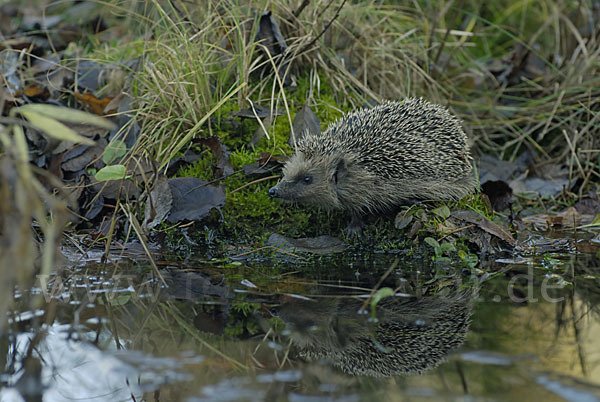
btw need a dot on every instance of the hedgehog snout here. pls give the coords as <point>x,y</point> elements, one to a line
<point>274,192</point>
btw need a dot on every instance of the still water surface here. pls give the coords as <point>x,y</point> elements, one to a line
<point>520,329</point>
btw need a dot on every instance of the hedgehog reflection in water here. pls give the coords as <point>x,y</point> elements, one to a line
<point>373,160</point>
<point>409,337</point>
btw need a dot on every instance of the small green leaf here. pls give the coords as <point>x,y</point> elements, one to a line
<point>433,243</point>
<point>402,220</point>
<point>471,260</point>
<point>447,247</point>
<point>112,172</point>
<point>380,294</point>
<point>442,211</point>
<point>119,300</point>
<point>113,150</point>
<point>54,128</point>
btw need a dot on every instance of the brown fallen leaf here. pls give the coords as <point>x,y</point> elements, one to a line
<point>93,103</point>
<point>492,228</point>
<point>569,218</point>
<point>224,167</point>
<point>34,92</point>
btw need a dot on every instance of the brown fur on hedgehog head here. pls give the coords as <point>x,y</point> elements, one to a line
<point>324,181</point>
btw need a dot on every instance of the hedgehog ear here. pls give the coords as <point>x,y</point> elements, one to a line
<point>340,170</point>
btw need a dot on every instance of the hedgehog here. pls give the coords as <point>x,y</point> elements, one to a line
<point>372,161</point>
<point>410,335</point>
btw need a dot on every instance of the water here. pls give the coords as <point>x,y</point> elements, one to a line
<point>528,329</point>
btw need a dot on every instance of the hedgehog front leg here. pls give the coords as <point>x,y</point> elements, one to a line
<point>356,225</point>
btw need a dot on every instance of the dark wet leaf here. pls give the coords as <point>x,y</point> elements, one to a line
<point>177,163</point>
<point>260,131</point>
<point>91,75</point>
<point>95,208</point>
<point>81,156</point>
<point>492,228</point>
<point>193,198</point>
<point>414,229</point>
<point>315,245</point>
<point>269,35</point>
<point>159,204</point>
<point>552,180</point>
<point>224,167</point>
<point>127,128</point>
<point>499,194</point>
<point>265,165</point>
<point>305,122</point>
<point>491,168</point>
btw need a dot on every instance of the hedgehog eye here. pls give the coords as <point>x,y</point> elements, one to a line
<point>307,179</point>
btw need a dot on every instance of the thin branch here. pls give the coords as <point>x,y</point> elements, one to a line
<point>337,14</point>
<point>301,8</point>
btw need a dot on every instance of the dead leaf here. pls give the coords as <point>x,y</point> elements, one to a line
<point>499,193</point>
<point>94,104</point>
<point>35,92</point>
<point>569,218</point>
<point>78,158</point>
<point>193,198</point>
<point>159,204</point>
<point>492,228</point>
<point>224,167</point>
<point>306,122</point>
<point>188,158</point>
<point>269,35</point>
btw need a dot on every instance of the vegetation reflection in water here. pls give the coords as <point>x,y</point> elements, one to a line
<point>528,331</point>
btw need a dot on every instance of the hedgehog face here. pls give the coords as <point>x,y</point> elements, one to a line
<point>307,180</point>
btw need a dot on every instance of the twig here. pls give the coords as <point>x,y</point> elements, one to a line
<point>254,182</point>
<point>337,14</point>
<point>301,8</point>
<point>387,273</point>
<point>458,230</point>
